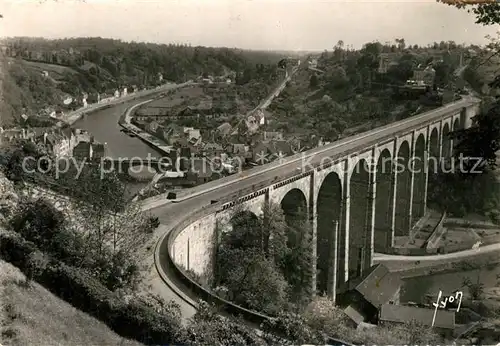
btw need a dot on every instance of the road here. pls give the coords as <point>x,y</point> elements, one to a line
<point>170,213</point>
<point>303,162</point>
<point>454,255</point>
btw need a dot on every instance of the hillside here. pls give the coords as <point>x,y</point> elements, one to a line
<point>348,91</point>
<point>41,73</point>
<point>31,315</point>
<point>26,90</point>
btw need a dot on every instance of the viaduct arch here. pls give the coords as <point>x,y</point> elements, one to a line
<point>351,211</point>
<point>328,240</point>
<point>403,190</point>
<point>359,219</point>
<point>384,204</point>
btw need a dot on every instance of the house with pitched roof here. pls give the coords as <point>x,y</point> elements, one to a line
<point>364,296</point>
<point>444,322</point>
<point>268,151</point>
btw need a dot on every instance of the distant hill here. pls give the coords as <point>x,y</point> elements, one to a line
<point>32,315</point>
<point>42,72</point>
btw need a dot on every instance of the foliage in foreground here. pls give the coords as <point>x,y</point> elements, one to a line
<point>264,263</point>
<point>471,186</point>
<point>151,320</point>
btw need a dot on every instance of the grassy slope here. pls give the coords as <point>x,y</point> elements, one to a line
<point>55,71</point>
<point>33,316</point>
<point>13,97</point>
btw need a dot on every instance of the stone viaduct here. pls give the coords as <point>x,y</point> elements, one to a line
<point>356,203</point>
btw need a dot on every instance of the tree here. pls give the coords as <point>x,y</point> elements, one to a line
<point>313,81</point>
<point>114,230</point>
<point>246,262</point>
<point>38,221</point>
<point>482,140</point>
<point>486,14</point>
<point>277,230</point>
<point>298,268</point>
<point>208,327</point>
<point>476,289</point>
<point>401,72</point>
<point>336,78</point>
<point>291,329</point>
<point>401,43</point>
<point>444,72</point>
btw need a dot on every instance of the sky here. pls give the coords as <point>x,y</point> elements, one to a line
<point>312,25</point>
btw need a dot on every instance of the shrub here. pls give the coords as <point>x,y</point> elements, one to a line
<point>44,225</point>
<point>293,328</point>
<point>207,327</point>
<point>38,221</point>
<point>136,319</point>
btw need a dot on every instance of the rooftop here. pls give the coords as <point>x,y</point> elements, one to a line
<point>378,285</point>
<point>400,313</point>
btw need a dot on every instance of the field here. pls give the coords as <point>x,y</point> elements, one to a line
<point>455,236</point>
<point>31,315</point>
<point>55,71</point>
<point>176,99</point>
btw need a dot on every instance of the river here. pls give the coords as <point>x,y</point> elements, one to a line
<point>103,125</point>
<point>415,289</point>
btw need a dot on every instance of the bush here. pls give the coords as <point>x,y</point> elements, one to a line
<point>137,319</point>
<point>38,222</point>
<point>42,224</point>
<point>207,327</point>
<point>293,328</point>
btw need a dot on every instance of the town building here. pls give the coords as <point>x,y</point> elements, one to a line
<point>89,148</point>
<point>193,136</point>
<point>200,171</point>
<point>57,144</point>
<point>267,151</point>
<point>364,297</point>
<point>425,75</point>
<point>224,130</point>
<point>212,149</point>
<point>444,323</point>
<point>152,127</point>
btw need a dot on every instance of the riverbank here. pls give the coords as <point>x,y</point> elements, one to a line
<point>76,115</point>
<point>126,122</point>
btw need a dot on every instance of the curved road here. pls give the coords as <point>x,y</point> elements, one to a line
<point>104,124</point>
<point>170,212</point>
<point>454,255</point>
<point>303,162</point>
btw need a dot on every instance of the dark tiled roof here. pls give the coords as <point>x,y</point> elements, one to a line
<point>379,285</point>
<point>239,149</point>
<point>98,147</point>
<point>82,149</point>
<point>400,313</point>
<point>202,167</point>
<point>39,131</point>
<point>67,131</point>
<point>282,146</point>
<point>54,138</point>
<point>354,314</point>
<point>225,128</point>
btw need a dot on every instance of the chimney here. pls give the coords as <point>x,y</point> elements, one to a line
<point>91,139</point>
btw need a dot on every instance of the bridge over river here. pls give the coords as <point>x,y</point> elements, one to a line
<point>136,163</point>
<point>358,194</point>
<point>353,211</point>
